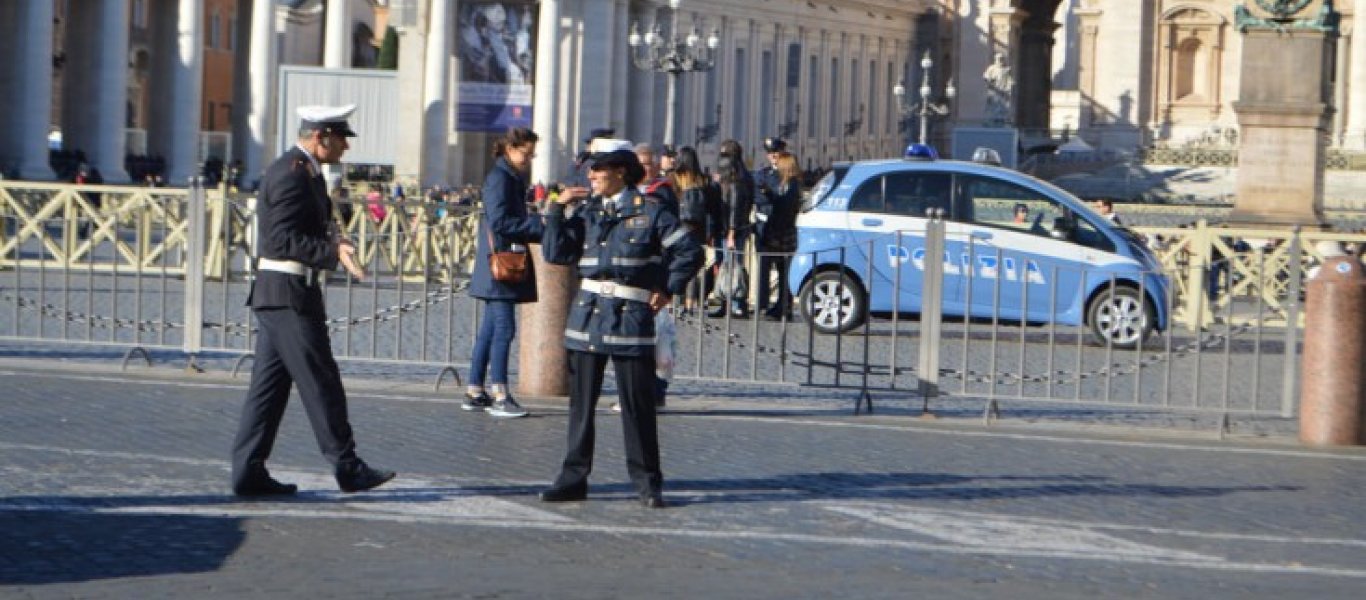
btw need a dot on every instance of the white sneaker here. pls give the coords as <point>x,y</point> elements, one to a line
<point>506,408</point>
<point>616,407</point>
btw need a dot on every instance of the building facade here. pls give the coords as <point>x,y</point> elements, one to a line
<point>186,79</point>
<point>1130,73</point>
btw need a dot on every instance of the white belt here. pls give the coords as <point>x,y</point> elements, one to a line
<point>615,290</point>
<point>292,267</point>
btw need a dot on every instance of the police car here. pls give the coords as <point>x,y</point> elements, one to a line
<point>1016,249</point>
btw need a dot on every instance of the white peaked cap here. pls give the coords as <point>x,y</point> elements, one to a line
<point>327,118</point>
<point>603,145</point>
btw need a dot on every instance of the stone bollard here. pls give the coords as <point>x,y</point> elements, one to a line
<point>1332,391</point>
<point>543,363</point>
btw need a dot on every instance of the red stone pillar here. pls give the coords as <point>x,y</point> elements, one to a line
<point>543,363</point>
<point>1332,390</point>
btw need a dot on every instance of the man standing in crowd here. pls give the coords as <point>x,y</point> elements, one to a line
<point>633,256</point>
<point>655,183</point>
<point>579,177</point>
<point>298,245</point>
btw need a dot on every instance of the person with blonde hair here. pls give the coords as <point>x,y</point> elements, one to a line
<point>778,237</point>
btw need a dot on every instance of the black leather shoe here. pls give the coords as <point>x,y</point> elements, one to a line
<point>572,493</point>
<point>264,486</point>
<point>361,478</point>
<point>652,500</point>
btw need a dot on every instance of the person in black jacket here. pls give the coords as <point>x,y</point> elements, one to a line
<point>633,256</point>
<point>298,245</point>
<point>737,190</point>
<point>506,226</point>
<point>701,206</point>
<point>778,202</point>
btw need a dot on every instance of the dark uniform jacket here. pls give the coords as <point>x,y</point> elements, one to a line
<point>293,217</point>
<point>505,212</point>
<point>779,204</point>
<point>630,240</point>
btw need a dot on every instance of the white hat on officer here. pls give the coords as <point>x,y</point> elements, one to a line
<point>327,119</point>
<point>605,145</point>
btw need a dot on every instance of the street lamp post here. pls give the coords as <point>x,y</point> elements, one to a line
<point>924,108</point>
<point>667,53</point>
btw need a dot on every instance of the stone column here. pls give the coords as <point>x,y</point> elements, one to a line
<point>412,60</point>
<point>436,85</point>
<point>595,85</point>
<point>111,92</point>
<point>1034,89</point>
<point>337,45</point>
<point>621,70</point>
<point>1284,127</point>
<point>33,99</point>
<point>545,111</point>
<point>261,112</point>
<point>187,85</point>
<point>1356,90</point>
<point>542,361</point>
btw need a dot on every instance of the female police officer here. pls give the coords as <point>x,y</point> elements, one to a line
<point>633,255</point>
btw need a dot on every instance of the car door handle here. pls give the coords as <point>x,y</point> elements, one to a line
<point>872,222</point>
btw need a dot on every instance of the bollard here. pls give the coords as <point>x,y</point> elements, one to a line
<point>542,361</point>
<point>1331,389</point>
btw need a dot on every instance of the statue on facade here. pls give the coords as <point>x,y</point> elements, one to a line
<point>1000,92</point>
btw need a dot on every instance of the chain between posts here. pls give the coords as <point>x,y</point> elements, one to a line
<point>796,359</point>
<point>239,329</point>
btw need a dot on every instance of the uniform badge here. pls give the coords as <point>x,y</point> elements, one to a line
<point>638,222</point>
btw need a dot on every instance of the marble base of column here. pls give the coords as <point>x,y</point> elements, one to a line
<point>543,363</point>
<point>1281,157</point>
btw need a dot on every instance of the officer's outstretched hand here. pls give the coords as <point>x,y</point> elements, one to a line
<point>346,253</point>
<point>659,300</point>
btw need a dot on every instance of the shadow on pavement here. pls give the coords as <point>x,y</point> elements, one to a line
<point>928,486</point>
<point>48,546</point>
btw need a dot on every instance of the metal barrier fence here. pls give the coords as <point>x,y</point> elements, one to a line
<point>167,269</point>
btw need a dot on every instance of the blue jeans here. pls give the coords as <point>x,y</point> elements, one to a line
<point>494,342</point>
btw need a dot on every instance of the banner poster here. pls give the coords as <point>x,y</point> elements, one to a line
<point>496,46</point>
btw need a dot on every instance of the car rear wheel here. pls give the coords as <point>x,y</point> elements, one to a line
<point>1120,317</point>
<point>833,302</point>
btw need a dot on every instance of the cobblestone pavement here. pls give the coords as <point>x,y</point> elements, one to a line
<point>115,486</point>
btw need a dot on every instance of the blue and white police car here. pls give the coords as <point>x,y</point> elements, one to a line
<point>1016,249</point>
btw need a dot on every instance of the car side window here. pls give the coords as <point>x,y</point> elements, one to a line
<point>913,194</point>
<point>868,197</point>
<point>1004,205</point>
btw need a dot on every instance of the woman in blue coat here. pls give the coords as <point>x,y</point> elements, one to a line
<point>506,226</point>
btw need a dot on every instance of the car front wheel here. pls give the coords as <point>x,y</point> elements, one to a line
<point>1120,317</point>
<point>833,302</point>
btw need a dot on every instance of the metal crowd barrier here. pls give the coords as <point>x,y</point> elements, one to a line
<point>168,269</point>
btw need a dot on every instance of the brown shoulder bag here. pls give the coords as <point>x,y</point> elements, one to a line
<point>507,267</point>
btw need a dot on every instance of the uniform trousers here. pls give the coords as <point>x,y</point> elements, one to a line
<point>292,348</point>
<point>636,386</point>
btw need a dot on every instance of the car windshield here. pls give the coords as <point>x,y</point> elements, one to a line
<point>822,189</point>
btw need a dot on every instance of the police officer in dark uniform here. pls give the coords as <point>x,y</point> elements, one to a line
<point>633,256</point>
<point>770,204</point>
<point>297,247</point>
